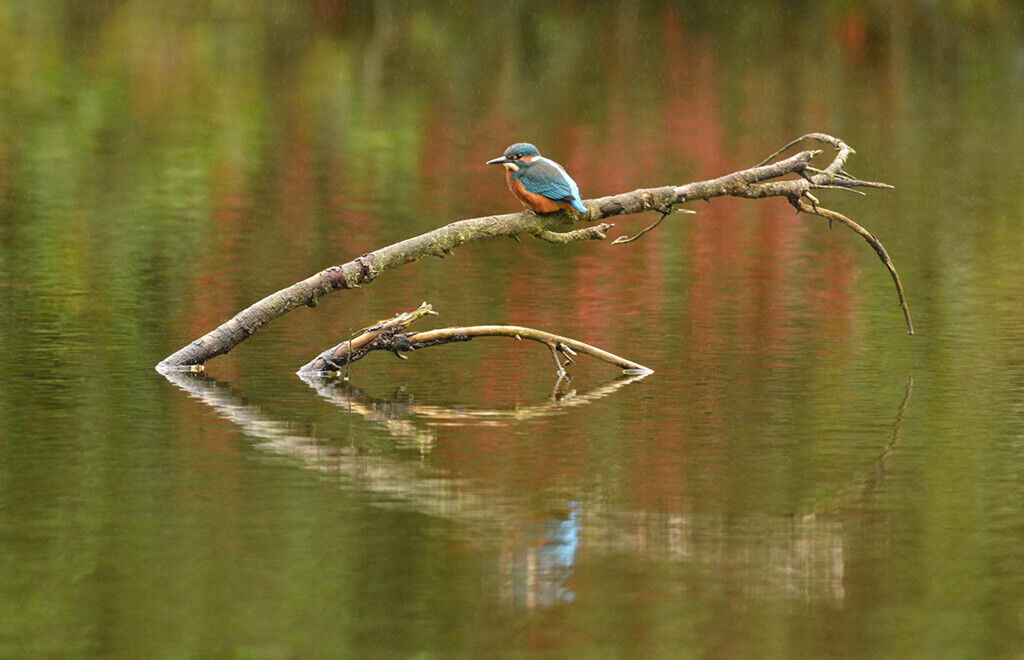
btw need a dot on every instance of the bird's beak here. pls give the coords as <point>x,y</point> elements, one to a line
<point>498,161</point>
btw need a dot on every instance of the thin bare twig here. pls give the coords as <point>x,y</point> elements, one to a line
<point>629,239</point>
<point>827,187</point>
<point>815,209</point>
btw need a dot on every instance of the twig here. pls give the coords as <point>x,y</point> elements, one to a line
<point>852,190</point>
<point>830,215</point>
<point>559,367</point>
<point>836,166</point>
<point>629,239</point>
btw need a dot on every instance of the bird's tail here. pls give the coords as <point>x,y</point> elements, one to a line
<point>578,205</point>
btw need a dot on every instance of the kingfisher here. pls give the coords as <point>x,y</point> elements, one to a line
<point>541,184</point>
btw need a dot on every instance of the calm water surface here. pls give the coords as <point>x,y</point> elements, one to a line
<point>798,477</point>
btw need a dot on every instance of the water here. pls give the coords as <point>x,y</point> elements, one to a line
<point>798,477</point>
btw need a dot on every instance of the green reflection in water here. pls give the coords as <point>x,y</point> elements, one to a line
<point>763,492</point>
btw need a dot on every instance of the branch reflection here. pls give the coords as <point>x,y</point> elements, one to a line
<point>801,555</point>
<point>563,397</point>
<point>880,467</point>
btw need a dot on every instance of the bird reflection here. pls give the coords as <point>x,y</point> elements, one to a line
<point>535,571</point>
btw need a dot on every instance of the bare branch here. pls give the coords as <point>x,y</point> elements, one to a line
<point>388,336</point>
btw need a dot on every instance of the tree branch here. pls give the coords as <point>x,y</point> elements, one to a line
<point>752,183</point>
<point>389,336</point>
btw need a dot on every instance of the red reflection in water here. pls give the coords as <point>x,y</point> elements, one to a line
<point>220,265</point>
<point>296,194</point>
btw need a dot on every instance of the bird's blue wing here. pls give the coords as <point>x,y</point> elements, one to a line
<point>546,178</point>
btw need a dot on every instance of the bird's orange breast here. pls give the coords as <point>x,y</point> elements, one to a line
<point>538,203</point>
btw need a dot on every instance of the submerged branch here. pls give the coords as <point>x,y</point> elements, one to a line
<point>757,182</point>
<point>390,335</point>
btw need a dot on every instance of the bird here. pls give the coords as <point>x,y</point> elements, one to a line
<point>541,184</point>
